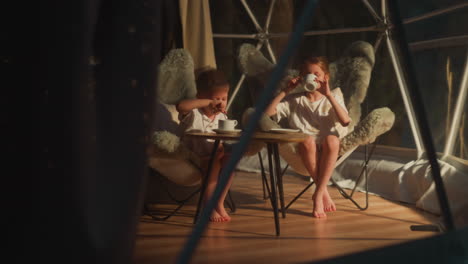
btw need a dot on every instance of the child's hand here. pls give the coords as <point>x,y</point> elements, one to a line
<point>325,87</point>
<point>292,84</point>
<point>216,106</point>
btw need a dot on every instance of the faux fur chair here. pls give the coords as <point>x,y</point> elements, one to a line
<point>176,81</point>
<point>351,73</point>
<point>168,157</point>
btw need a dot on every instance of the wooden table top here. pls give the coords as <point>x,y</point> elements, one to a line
<point>262,136</point>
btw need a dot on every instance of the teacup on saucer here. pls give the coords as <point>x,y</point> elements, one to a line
<point>227,124</point>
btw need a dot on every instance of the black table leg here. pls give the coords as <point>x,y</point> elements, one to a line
<point>273,196</point>
<point>279,176</point>
<point>205,179</point>
<point>264,179</point>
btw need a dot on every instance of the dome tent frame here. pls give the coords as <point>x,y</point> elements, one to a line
<point>397,46</point>
<point>384,27</point>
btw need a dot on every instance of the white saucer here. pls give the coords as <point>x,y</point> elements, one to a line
<point>222,131</point>
<point>284,130</point>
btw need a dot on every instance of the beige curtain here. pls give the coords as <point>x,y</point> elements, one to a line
<point>197,33</point>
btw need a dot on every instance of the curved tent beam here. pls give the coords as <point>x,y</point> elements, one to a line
<point>268,19</point>
<point>378,41</point>
<point>402,83</point>
<point>372,11</point>
<point>251,15</point>
<point>307,33</point>
<point>236,90</point>
<point>331,31</point>
<point>270,51</point>
<point>421,118</point>
<point>434,13</point>
<point>383,9</point>
<point>261,36</point>
<point>244,36</point>
<point>267,30</point>
<point>240,82</point>
<point>439,43</point>
<point>461,101</point>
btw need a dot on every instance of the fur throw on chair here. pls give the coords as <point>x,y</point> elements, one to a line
<point>176,81</point>
<point>176,77</point>
<point>167,145</point>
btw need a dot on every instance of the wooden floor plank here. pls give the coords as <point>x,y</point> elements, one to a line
<point>250,236</point>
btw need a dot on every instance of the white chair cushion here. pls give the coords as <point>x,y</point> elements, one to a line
<point>179,171</point>
<point>167,118</point>
<point>173,111</point>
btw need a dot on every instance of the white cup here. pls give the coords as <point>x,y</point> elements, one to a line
<point>310,83</point>
<point>227,124</point>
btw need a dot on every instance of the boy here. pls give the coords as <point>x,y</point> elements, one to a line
<point>202,114</point>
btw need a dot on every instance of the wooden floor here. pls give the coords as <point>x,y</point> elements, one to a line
<point>250,236</point>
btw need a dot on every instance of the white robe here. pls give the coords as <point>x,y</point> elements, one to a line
<point>314,118</point>
<point>197,121</point>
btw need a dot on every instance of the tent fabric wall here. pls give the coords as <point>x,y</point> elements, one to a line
<point>396,174</point>
<point>197,33</point>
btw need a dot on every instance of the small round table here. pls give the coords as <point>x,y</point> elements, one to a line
<point>272,139</point>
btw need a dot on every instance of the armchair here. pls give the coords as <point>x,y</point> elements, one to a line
<point>351,72</point>
<point>168,157</point>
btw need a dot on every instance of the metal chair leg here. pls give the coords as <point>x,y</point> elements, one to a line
<point>364,172</point>
<point>180,202</point>
<point>298,196</point>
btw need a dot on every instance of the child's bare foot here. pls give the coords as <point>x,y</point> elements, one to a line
<point>216,217</point>
<point>318,210</point>
<point>328,204</point>
<point>222,212</point>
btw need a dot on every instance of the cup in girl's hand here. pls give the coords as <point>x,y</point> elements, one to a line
<point>310,82</point>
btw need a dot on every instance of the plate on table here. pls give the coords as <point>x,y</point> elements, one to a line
<point>222,131</point>
<point>284,130</point>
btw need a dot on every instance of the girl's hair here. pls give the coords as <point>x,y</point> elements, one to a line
<point>321,61</point>
<point>210,80</point>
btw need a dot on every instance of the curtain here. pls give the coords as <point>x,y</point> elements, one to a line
<point>197,32</point>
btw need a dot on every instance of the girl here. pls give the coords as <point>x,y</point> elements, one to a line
<point>321,114</point>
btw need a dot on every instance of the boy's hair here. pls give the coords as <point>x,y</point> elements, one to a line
<point>321,61</point>
<point>210,80</point>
